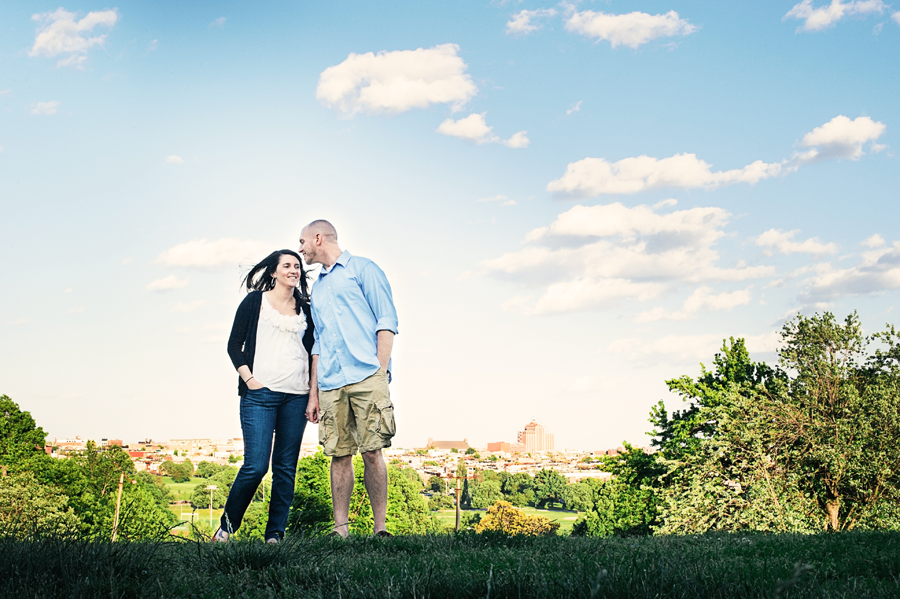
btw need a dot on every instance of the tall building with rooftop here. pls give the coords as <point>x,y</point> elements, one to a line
<point>535,439</point>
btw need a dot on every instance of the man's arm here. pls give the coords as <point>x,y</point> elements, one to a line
<point>312,406</point>
<point>385,345</point>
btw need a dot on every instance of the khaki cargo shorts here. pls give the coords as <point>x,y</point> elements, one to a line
<point>357,417</point>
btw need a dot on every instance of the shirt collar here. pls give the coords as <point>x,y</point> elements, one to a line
<point>343,259</point>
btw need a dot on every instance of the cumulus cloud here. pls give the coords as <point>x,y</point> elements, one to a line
<point>60,33</point>
<point>173,160</point>
<point>776,240</point>
<point>474,128</point>
<point>841,138</point>
<point>217,23</point>
<point>896,17</point>
<point>838,138</point>
<point>394,82</point>
<point>631,29</point>
<point>878,270</point>
<point>523,23</point>
<point>45,108</point>
<point>873,241</point>
<point>167,284</point>
<point>823,17</point>
<point>214,255</point>
<point>575,108</point>
<point>599,256</point>
<point>688,348</point>
<point>701,300</point>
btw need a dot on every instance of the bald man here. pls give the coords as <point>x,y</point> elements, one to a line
<point>355,323</point>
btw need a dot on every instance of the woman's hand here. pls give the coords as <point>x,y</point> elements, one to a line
<point>254,385</point>
<point>312,409</point>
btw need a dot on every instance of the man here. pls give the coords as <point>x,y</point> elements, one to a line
<point>355,323</point>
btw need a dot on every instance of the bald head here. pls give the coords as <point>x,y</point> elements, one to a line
<point>322,227</point>
<point>318,243</point>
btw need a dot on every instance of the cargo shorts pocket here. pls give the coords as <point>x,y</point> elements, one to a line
<point>328,433</point>
<point>384,418</point>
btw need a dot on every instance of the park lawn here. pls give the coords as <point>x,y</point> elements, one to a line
<point>564,518</point>
<point>182,491</point>
<point>856,565</point>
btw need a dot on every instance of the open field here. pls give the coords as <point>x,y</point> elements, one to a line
<point>182,491</point>
<point>857,565</point>
<point>565,518</point>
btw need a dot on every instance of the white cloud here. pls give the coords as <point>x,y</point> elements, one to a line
<point>188,306</point>
<point>213,255</point>
<point>838,138</point>
<point>874,241</point>
<point>783,242</point>
<point>398,81</point>
<point>218,23</point>
<point>896,17</point>
<point>575,108</point>
<point>632,29</point>
<point>599,256</point>
<point>842,138</point>
<point>45,108</point>
<point>689,348</point>
<point>823,17</point>
<point>167,284</point>
<point>701,300</point>
<point>60,33</point>
<point>153,45</point>
<point>173,160</point>
<point>878,270</point>
<point>4,92</point>
<point>521,22</point>
<point>877,29</point>
<point>502,199</point>
<point>474,128</point>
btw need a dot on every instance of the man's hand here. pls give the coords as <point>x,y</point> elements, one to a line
<point>312,409</point>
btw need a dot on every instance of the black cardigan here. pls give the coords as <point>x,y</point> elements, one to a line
<point>242,341</point>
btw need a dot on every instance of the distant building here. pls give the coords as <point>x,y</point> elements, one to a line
<point>535,439</point>
<point>504,447</point>
<point>458,445</point>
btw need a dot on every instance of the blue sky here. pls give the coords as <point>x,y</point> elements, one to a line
<point>573,202</point>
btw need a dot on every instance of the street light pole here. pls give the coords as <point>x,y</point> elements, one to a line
<point>118,503</point>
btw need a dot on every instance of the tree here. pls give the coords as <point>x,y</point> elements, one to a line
<point>505,518</point>
<point>441,502</point>
<point>462,472</point>
<point>519,489</point>
<point>21,440</point>
<point>222,481</point>
<point>311,511</point>
<point>470,451</point>
<point>436,484</point>
<point>207,469</point>
<point>578,497</point>
<point>486,493</point>
<point>840,418</point>
<point>28,507</point>
<point>407,511</point>
<point>548,487</point>
<point>180,473</point>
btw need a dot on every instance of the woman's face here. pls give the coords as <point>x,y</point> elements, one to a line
<point>288,271</point>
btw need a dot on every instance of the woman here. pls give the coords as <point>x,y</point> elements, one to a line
<point>270,346</point>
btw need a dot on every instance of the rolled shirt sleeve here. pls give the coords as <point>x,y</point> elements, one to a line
<point>378,294</point>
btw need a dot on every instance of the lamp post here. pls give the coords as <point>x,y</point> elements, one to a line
<point>211,488</point>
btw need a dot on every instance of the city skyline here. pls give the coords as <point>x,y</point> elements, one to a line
<point>573,202</point>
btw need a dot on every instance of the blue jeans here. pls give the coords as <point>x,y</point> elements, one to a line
<point>264,412</point>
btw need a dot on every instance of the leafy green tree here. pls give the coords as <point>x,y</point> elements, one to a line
<point>839,418</point>
<point>436,484</point>
<point>470,451</point>
<point>505,518</point>
<point>222,481</point>
<point>311,510</point>
<point>441,502</point>
<point>518,489</point>
<point>549,486</point>
<point>486,493</point>
<point>28,507</point>
<point>462,472</point>
<point>578,497</point>
<point>208,469</point>
<point>407,510</point>
<point>21,440</point>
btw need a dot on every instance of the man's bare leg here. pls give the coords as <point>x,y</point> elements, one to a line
<point>376,485</point>
<point>342,480</point>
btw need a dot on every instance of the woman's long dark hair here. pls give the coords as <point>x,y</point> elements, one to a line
<point>260,277</point>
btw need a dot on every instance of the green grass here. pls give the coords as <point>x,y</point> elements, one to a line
<point>182,491</point>
<point>565,518</point>
<point>851,565</point>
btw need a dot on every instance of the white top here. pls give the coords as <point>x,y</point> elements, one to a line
<point>281,362</point>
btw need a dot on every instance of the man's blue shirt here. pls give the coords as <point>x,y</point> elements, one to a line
<point>351,302</point>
